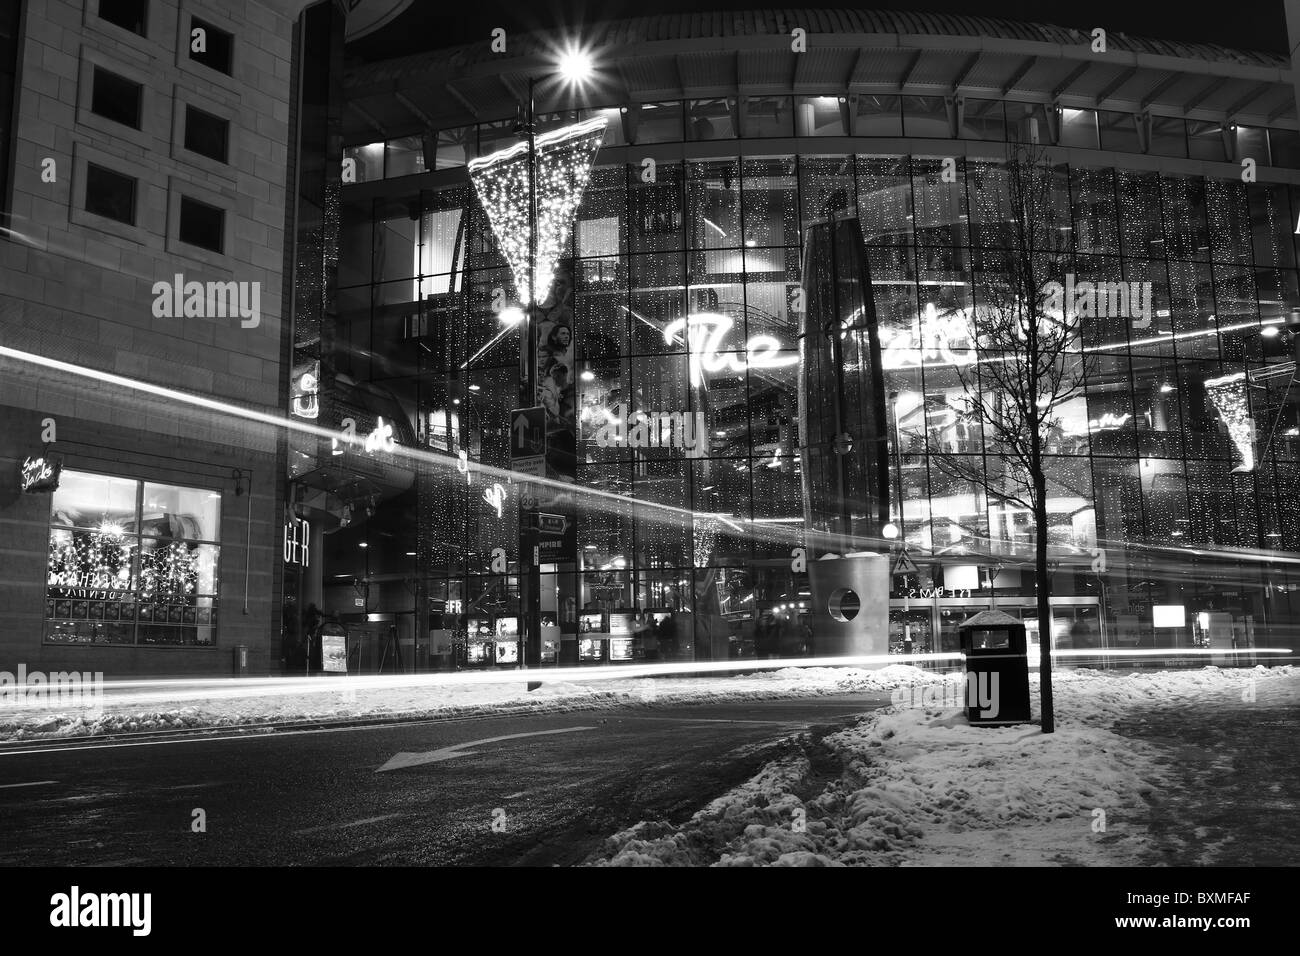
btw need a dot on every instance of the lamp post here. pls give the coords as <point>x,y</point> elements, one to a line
<point>573,67</point>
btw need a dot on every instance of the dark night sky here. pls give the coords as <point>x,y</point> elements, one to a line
<point>429,24</point>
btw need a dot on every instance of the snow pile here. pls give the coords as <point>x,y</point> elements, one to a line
<point>256,702</point>
<point>920,786</point>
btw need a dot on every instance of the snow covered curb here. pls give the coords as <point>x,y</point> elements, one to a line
<point>921,787</point>
<point>241,708</point>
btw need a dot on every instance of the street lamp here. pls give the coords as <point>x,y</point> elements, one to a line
<point>574,67</point>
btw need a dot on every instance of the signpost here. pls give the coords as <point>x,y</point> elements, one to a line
<point>528,441</point>
<point>528,457</point>
<point>904,565</point>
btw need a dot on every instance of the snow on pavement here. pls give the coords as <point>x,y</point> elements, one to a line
<point>921,787</point>
<point>198,704</point>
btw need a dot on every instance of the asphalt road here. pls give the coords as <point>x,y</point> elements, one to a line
<point>319,797</point>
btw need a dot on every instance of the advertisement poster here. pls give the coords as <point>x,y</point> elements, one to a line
<point>555,370</point>
<point>334,653</point>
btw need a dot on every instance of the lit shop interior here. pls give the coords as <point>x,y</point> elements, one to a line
<point>1172,478</point>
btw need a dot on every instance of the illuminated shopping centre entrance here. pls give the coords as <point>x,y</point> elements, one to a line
<point>756,353</point>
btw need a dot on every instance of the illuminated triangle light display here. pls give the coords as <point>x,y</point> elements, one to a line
<point>1228,396</point>
<point>564,160</point>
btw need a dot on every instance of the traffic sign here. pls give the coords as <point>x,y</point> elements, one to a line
<point>552,524</point>
<point>528,432</point>
<point>534,465</point>
<point>904,565</point>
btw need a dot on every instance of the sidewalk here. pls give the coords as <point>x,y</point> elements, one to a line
<point>1234,772</point>
<point>1143,769</point>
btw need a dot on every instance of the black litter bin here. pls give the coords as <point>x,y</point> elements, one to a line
<point>997,669</point>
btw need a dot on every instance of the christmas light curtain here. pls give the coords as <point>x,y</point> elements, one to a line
<point>564,158</point>
<point>1228,396</point>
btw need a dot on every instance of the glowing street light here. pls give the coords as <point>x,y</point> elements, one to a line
<point>576,65</point>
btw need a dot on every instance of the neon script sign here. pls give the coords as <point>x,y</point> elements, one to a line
<point>933,338</point>
<point>705,335</point>
<point>40,474</point>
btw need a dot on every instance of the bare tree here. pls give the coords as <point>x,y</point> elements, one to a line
<point>1028,362</point>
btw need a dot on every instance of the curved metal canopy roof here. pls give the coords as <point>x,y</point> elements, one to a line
<point>848,51</point>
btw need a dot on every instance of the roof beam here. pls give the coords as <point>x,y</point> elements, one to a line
<point>1077,72</point>
<point>966,70</point>
<point>853,70</point>
<point>911,69</point>
<point>1019,75</point>
<point>1258,90</point>
<point>1115,84</point>
<point>513,88</point>
<point>462,99</point>
<point>370,120</point>
<point>1199,98</point>
<point>1150,96</point>
<point>415,110</point>
<point>1280,111</point>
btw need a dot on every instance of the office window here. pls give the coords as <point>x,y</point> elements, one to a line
<point>819,116</point>
<point>1168,136</point>
<point>369,160</point>
<point>1205,140</point>
<point>206,134</point>
<point>984,119</point>
<point>1078,128</point>
<point>879,115</point>
<point>116,98</point>
<point>711,119</point>
<point>659,123</point>
<point>110,194</point>
<point>1285,148</point>
<point>127,14</point>
<point>768,116</point>
<point>211,46</point>
<point>926,116</point>
<point>1252,142</point>
<point>404,157</point>
<point>1119,132</point>
<point>202,225</point>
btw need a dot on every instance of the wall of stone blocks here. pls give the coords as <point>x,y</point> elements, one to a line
<point>143,455</point>
<point>79,289</point>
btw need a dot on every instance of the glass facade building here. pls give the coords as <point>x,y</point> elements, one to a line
<point>1172,493</point>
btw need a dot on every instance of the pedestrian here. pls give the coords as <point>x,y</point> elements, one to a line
<point>667,634</point>
<point>312,622</point>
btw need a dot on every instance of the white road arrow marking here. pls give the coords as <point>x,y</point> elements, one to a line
<point>404,759</point>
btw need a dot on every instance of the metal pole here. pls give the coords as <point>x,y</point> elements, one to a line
<point>248,537</point>
<point>529,576</point>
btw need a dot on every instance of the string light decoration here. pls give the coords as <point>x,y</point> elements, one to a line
<point>564,158</point>
<point>89,559</point>
<point>1228,396</point>
<point>170,570</point>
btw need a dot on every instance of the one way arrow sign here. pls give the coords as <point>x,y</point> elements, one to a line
<point>406,759</point>
<point>528,432</point>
